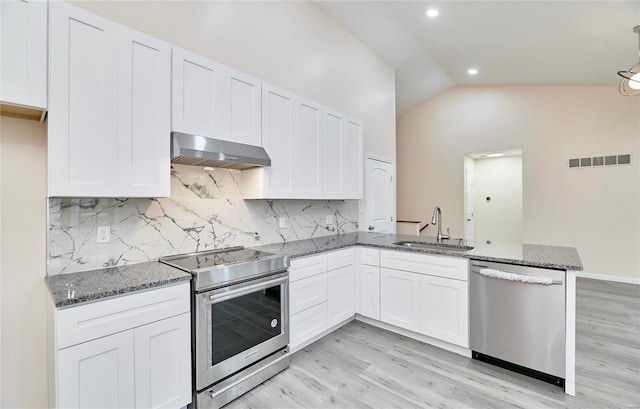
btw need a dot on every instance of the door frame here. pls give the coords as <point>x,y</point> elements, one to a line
<point>366,221</point>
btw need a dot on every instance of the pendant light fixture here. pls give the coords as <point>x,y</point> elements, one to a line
<point>630,84</point>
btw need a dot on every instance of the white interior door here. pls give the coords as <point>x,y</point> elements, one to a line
<point>380,196</point>
<point>468,231</point>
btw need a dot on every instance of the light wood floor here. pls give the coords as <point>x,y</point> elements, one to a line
<point>360,366</point>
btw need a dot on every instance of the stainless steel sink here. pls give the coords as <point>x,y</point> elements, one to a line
<point>436,246</point>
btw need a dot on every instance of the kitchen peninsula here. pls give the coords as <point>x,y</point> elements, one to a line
<point>358,260</point>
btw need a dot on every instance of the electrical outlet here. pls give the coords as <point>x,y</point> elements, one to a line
<point>282,222</point>
<point>104,234</point>
<point>329,219</point>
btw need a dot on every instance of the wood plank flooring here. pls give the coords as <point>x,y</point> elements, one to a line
<point>361,366</point>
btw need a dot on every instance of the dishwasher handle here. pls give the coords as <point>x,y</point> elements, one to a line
<point>504,275</point>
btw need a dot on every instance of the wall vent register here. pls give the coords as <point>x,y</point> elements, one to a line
<point>596,161</point>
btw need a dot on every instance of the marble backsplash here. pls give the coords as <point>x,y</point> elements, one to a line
<point>205,211</point>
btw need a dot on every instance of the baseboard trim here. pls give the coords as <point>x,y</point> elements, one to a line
<point>605,277</point>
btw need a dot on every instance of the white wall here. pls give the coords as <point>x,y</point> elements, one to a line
<point>22,264</point>
<point>499,219</point>
<point>594,210</point>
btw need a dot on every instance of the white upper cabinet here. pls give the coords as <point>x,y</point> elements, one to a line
<point>241,108</point>
<point>197,94</point>
<point>144,122</point>
<point>292,136</point>
<point>308,152</point>
<point>109,108</point>
<point>280,134</point>
<point>23,53</point>
<point>83,111</point>
<point>316,153</point>
<point>212,100</point>
<point>342,156</point>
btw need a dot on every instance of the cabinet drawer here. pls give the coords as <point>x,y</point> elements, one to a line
<point>307,292</point>
<point>308,324</point>
<point>90,321</point>
<point>439,266</point>
<point>307,267</point>
<point>340,258</point>
<point>369,257</point>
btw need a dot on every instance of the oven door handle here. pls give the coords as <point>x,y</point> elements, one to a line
<point>245,289</point>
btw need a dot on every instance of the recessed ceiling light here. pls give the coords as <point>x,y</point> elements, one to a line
<point>472,71</point>
<point>432,13</point>
<point>492,155</point>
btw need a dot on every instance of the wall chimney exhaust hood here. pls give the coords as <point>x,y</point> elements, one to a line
<point>198,150</point>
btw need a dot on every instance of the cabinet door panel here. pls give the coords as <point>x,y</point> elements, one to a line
<point>144,109</point>
<point>97,374</point>
<point>307,292</point>
<point>279,133</point>
<point>400,298</point>
<point>23,53</point>
<point>341,300</point>
<point>308,160</point>
<point>333,155</point>
<point>82,140</point>
<point>163,363</point>
<point>307,324</point>
<point>197,94</point>
<point>242,109</point>
<point>369,291</point>
<point>445,310</point>
<point>352,160</point>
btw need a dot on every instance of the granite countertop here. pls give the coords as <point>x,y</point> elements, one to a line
<point>75,288</point>
<point>532,255</point>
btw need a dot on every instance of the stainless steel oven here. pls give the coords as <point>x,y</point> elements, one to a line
<point>240,315</point>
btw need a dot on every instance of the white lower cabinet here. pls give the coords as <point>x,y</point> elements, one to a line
<point>369,291</point>
<point>322,294</point>
<point>143,362</point>
<point>400,298</point>
<point>422,293</point>
<point>426,294</point>
<point>307,324</point>
<point>162,379</point>
<point>98,373</point>
<point>341,296</point>
<point>444,309</point>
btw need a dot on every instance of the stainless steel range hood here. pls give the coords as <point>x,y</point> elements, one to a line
<point>198,150</point>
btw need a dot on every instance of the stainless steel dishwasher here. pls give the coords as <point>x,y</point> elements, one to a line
<point>518,318</point>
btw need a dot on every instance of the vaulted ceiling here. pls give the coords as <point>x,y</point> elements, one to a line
<point>509,42</point>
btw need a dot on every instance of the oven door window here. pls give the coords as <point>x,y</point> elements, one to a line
<point>241,323</point>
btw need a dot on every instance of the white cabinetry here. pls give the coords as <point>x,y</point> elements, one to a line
<point>109,108</point>
<point>400,298</point>
<point>341,286</point>
<point>316,153</point>
<point>99,373</point>
<point>132,351</point>
<point>292,136</point>
<point>342,156</point>
<point>368,284</point>
<point>23,53</point>
<point>426,294</point>
<point>215,101</point>
<point>321,294</point>
<point>308,299</point>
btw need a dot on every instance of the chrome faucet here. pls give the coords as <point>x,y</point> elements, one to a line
<point>437,219</point>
